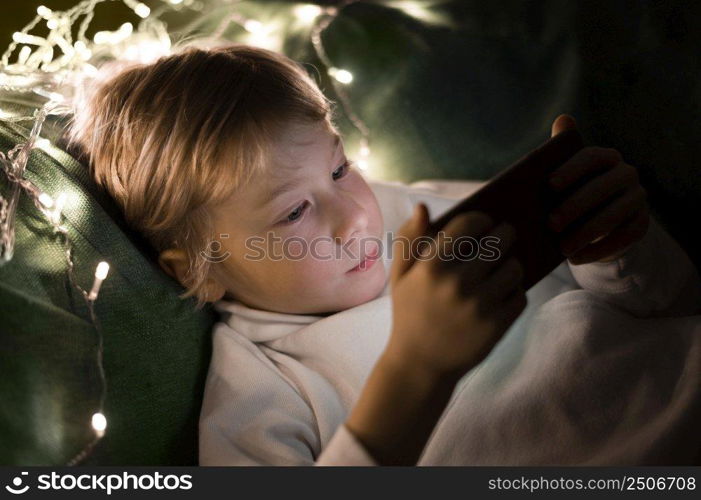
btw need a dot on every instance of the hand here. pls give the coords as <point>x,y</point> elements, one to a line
<point>601,219</point>
<point>448,312</point>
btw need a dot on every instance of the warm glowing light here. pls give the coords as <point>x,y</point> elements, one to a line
<point>126,29</point>
<point>363,164</point>
<point>100,274</point>
<point>176,2</point>
<point>52,24</point>
<point>307,13</point>
<point>44,11</point>
<point>114,37</point>
<point>99,423</point>
<point>146,51</point>
<point>24,55</point>
<point>142,10</point>
<point>102,270</point>
<point>83,51</point>
<point>102,37</point>
<point>261,35</point>
<point>90,70</point>
<point>28,39</point>
<point>60,202</point>
<point>46,200</point>
<point>253,26</point>
<point>342,75</point>
<point>421,11</point>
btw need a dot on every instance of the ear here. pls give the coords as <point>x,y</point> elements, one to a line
<point>175,263</point>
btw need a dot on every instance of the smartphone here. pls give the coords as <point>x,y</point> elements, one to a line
<point>520,196</point>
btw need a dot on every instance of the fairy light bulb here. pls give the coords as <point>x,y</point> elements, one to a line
<point>99,423</point>
<point>60,202</point>
<point>102,270</point>
<point>307,13</point>
<point>100,275</point>
<point>421,11</point>
<point>101,37</point>
<point>342,75</point>
<point>176,2</point>
<point>142,10</point>
<point>46,200</point>
<point>83,51</point>
<point>124,31</point>
<point>261,35</point>
<point>20,37</point>
<point>24,55</point>
<point>44,11</point>
<point>253,26</point>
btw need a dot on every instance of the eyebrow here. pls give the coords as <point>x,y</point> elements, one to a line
<point>295,182</point>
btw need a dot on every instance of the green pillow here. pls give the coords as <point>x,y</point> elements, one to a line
<point>156,345</point>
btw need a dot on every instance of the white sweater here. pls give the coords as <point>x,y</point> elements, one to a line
<point>602,367</point>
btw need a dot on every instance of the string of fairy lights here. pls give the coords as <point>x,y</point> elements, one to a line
<point>52,65</point>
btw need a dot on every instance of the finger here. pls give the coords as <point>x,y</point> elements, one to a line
<point>501,239</point>
<point>508,310</point>
<point>606,220</point>
<point>585,162</point>
<point>502,282</point>
<point>405,245</point>
<point>592,195</point>
<point>512,306</point>
<point>562,123</point>
<point>439,254</point>
<point>615,242</point>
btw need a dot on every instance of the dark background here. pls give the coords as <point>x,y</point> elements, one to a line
<point>464,102</point>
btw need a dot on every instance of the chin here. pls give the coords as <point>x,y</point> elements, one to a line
<point>367,295</point>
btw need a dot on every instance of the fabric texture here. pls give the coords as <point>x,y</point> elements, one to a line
<point>156,346</point>
<point>577,379</point>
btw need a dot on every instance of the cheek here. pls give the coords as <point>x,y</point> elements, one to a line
<point>370,202</point>
<point>309,260</point>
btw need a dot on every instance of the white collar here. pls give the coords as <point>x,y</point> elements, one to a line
<point>259,325</point>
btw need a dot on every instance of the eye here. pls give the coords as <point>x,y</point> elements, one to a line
<point>342,170</point>
<point>296,213</point>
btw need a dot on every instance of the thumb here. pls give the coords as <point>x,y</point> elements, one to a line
<point>562,123</point>
<point>404,246</point>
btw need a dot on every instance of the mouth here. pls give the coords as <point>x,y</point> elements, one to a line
<point>369,260</point>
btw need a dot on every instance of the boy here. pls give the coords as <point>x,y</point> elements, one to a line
<point>228,161</point>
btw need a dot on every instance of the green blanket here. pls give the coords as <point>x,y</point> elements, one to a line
<point>156,346</point>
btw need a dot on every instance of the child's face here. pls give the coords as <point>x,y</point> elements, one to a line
<point>302,241</point>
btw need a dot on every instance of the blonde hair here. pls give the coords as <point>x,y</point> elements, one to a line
<point>170,139</point>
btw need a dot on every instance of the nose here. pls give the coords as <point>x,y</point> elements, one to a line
<point>351,218</point>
